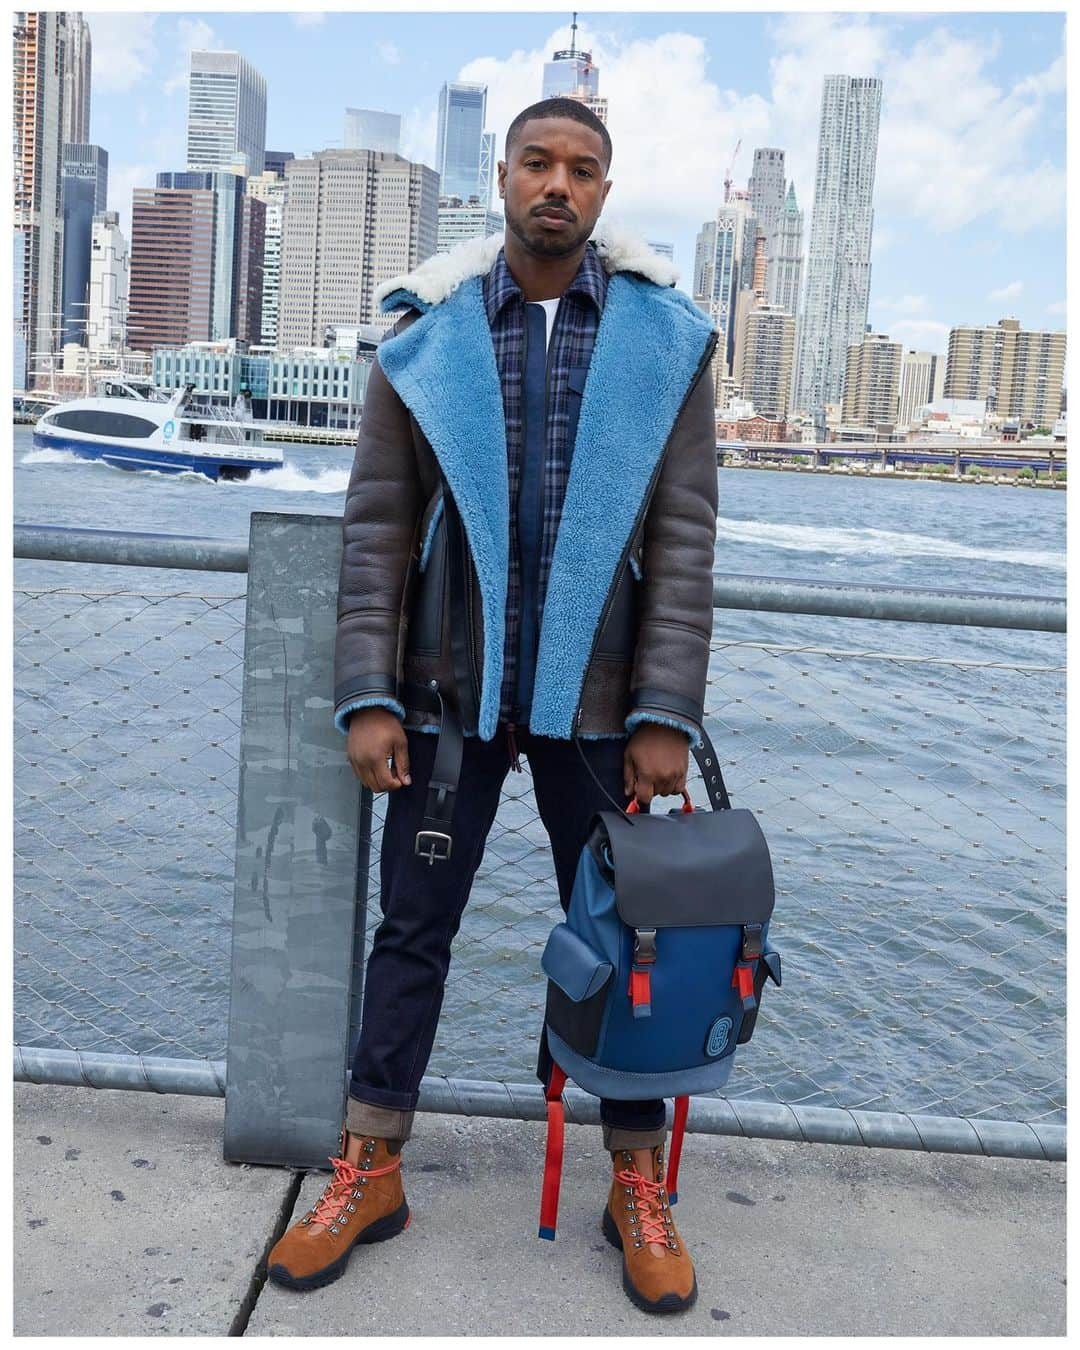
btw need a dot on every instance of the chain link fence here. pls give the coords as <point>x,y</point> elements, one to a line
<point>914,807</point>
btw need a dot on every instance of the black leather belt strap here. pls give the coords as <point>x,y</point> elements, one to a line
<point>434,839</point>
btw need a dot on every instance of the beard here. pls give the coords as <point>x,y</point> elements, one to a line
<point>542,243</point>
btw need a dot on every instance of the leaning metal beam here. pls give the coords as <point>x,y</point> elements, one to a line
<point>738,1117</point>
<point>730,590</point>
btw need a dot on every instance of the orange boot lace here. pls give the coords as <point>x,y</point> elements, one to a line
<point>337,1201</point>
<point>650,1209</point>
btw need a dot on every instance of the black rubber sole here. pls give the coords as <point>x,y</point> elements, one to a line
<point>669,1303</point>
<point>390,1225</point>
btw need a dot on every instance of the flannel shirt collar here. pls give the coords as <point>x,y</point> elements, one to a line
<point>589,281</point>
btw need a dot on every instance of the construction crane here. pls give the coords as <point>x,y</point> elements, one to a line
<point>730,168</point>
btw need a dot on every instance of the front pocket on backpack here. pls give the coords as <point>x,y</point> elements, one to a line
<point>578,980</point>
<point>768,967</point>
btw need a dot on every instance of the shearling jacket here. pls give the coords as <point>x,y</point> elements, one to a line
<point>627,617</point>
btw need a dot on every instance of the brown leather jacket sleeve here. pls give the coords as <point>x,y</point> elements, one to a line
<point>382,511</point>
<point>675,613</point>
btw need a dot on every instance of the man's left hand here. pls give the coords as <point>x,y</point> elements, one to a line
<point>655,762</point>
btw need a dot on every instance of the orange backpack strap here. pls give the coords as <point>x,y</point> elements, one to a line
<point>549,1199</point>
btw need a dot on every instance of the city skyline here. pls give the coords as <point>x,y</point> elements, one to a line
<point>948,247</point>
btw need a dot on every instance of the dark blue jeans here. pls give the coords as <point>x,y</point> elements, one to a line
<point>422,905</point>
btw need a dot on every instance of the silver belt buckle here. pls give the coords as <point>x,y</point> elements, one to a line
<point>432,853</point>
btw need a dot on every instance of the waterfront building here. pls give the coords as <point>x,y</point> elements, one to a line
<point>718,255</point>
<point>756,428</point>
<point>110,276</point>
<point>305,387</point>
<point>84,194</point>
<point>77,65</point>
<point>922,379</point>
<point>460,220</point>
<point>172,267</point>
<point>274,161</point>
<point>226,113</point>
<point>768,358</point>
<point>368,129</point>
<point>1018,373</point>
<point>40,51</point>
<point>838,266</point>
<point>459,140</point>
<point>18,351</point>
<point>270,190</point>
<point>239,229</point>
<point>353,219</point>
<point>872,382</point>
<point>784,270</point>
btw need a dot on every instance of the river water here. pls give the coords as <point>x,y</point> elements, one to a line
<point>910,779</point>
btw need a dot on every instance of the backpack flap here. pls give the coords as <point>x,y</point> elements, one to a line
<point>687,869</point>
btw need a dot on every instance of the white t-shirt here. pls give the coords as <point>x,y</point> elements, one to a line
<point>550,307</point>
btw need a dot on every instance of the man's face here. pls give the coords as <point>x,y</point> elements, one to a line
<point>553,185</point>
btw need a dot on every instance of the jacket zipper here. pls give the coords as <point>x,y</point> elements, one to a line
<point>710,347</point>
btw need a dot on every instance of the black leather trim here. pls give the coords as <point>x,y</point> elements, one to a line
<point>663,700</point>
<point>425,632</point>
<point>458,612</point>
<point>619,635</point>
<point>374,682</point>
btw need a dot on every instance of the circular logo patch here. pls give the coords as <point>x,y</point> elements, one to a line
<point>719,1033</point>
<point>169,429</point>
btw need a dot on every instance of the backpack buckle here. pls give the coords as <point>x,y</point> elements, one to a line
<point>751,941</point>
<point>644,946</point>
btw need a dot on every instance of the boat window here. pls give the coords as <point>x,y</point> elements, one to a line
<point>98,422</point>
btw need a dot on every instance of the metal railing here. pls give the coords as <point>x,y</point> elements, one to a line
<point>914,805</point>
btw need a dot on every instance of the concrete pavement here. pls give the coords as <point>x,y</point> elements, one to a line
<point>789,1239</point>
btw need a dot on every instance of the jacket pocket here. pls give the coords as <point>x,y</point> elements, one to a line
<point>578,982</point>
<point>426,618</point>
<point>619,636</point>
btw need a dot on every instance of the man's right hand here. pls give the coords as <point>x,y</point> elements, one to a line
<point>376,735</point>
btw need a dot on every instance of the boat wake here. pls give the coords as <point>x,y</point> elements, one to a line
<point>291,479</point>
<point>51,457</point>
<point>848,543</point>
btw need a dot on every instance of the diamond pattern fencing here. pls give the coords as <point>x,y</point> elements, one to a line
<point>127,724</point>
<point>915,811</point>
<point>914,807</point>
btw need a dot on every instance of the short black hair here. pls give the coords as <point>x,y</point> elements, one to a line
<point>560,107</point>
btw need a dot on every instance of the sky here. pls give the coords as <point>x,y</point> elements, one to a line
<point>969,197</point>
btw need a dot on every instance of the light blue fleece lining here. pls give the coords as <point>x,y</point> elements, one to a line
<point>436,516</point>
<point>375,701</point>
<point>443,368</point>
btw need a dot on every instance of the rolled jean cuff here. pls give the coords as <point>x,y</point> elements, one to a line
<point>361,1118</point>
<point>618,1137</point>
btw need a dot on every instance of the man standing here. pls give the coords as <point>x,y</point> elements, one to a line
<point>528,550</point>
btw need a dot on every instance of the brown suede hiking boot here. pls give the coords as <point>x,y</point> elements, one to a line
<point>658,1275</point>
<point>361,1203</point>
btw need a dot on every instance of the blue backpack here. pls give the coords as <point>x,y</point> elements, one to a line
<point>657,973</point>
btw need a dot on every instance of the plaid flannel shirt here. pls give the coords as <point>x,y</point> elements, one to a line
<point>572,338</point>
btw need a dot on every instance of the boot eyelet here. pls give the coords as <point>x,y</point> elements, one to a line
<point>637,1244</point>
<point>344,1219</point>
<point>334,1229</point>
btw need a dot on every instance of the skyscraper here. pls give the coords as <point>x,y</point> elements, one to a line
<point>716,274</point>
<point>1019,374</point>
<point>784,266</point>
<point>920,378</point>
<point>91,162</point>
<point>79,211</point>
<point>838,267</point>
<point>77,84</point>
<point>767,192</point>
<point>226,113</point>
<point>871,395</point>
<point>354,218</point>
<point>459,140</point>
<point>40,51</point>
<point>274,161</point>
<point>768,351</point>
<point>231,311</point>
<point>367,129</point>
<point>110,274</point>
<point>270,190</point>
<point>172,267</point>
<point>488,167</point>
<point>571,74</point>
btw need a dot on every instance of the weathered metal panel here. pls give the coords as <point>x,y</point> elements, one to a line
<point>295,899</point>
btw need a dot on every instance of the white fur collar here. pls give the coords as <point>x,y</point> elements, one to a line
<point>619,249</point>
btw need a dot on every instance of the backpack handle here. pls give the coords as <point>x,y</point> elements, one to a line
<point>703,751</point>
<point>635,805</point>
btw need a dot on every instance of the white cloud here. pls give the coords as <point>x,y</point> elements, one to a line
<point>192,35</point>
<point>309,18</point>
<point>924,335</point>
<point>124,50</point>
<point>389,53</point>
<point>1009,292</point>
<point>1057,307</point>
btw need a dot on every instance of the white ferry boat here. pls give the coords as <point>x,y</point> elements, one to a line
<point>130,428</point>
